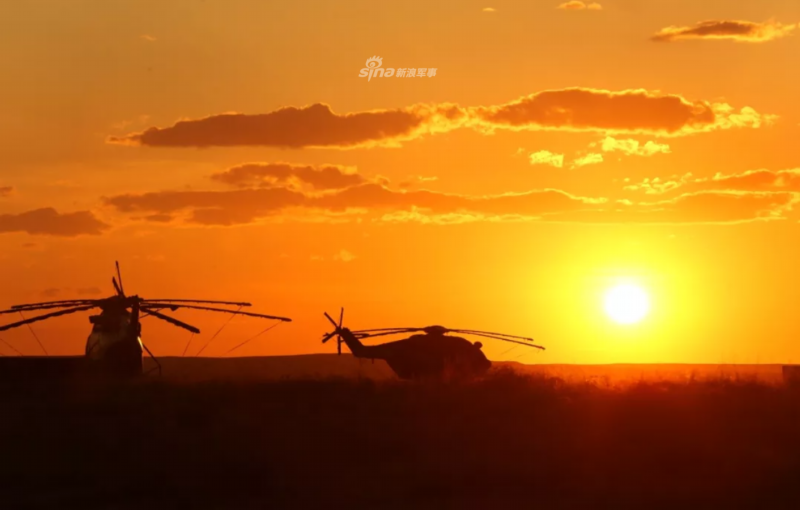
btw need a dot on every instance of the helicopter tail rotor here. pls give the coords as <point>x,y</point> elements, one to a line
<point>337,332</point>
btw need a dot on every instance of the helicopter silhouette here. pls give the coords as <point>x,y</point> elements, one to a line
<point>432,353</point>
<point>114,346</point>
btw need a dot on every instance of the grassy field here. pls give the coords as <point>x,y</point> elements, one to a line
<point>509,440</point>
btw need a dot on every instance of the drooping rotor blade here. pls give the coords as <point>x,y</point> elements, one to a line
<point>46,307</point>
<point>74,302</point>
<point>235,312</point>
<point>329,336</point>
<point>119,277</point>
<point>116,285</point>
<point>378,330</point>
<point>45,316</point>
<point>361,334</point>
<point>485,335</point>
<point>174,322</point>
<point>474,332</point>
<point>231,303</point>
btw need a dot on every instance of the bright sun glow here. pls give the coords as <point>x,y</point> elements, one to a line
<point>627,304</point>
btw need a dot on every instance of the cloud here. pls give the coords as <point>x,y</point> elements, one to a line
<point>752,180</point>
<point>83,291</point>
<point>489,9</point>
<point>159,218</point>
<point>631,147</point>
<point>740,31</point>
<point>247,206</point>
<point>711,207</point>
<point>89,291</point>
<point>590,159</point>
<point>576,5</point>
<point>270,175</point>
<point>212,207</point>
<point>344,256</point>
<point>574,109</point>
<point>692,208</point>
<point>654,186</point>
<point>374,202</point>
<point>412,181</point>
<point>629,111</point>
<point>416,215</point>
<point>6,191</point>
<point>546,158</point>
<point>148,38</point>
<point>311,126</point>
<point>140,120</point>
<point>51,292</point>
<point>48,221</point>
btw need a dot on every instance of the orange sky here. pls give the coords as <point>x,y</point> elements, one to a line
<point>508,192</point>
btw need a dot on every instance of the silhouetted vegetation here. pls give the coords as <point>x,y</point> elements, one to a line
<point>526,441</point>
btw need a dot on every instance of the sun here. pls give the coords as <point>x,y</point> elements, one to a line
<point>626,304</point>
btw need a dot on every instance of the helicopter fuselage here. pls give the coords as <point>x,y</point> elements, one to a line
<point>114,344</point>
<point>423,356</point>
<point>113,350</point>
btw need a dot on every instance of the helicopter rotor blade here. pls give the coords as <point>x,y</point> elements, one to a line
<point>331,320</point>
<point>339,339</point>
<point>328,336</point>
<point>475,332</point>
<point>485,335</point>
<point>174,322</point>
<point>378,330</point>
<point>231,303</point>
<point>362,334</point>
<point>68,302</point>
<point>210,309</point>
<point>116,285</point>
<point>119,277</point>
<point>46,316</point>
<point>47,307</point>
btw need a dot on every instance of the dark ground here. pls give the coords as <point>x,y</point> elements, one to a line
<point>508,441</point>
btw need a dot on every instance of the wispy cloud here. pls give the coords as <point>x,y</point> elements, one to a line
<point>286,174</point>
<point>741,31</point>
<point>546,158</point>
<point>707,207</point>
<point>89,291</point>
<point>631,147</point>
<point>344,256</point>
<point>761,180</point>
<point>577,5</point>
<point>246,206</point>
<point>592,158</point>
<point>376,203</point>
<point>576,109</point>
<point>48,221</point>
